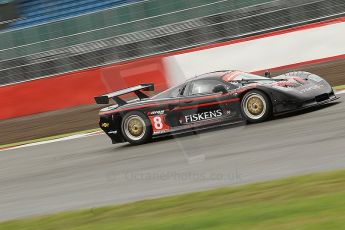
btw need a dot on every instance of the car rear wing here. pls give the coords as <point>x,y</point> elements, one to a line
<point>104,99</point>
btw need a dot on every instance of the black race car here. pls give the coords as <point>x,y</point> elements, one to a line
<point>208,100</point>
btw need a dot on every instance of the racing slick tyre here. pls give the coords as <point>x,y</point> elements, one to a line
<point>136,128</point>
<point>255,106</point>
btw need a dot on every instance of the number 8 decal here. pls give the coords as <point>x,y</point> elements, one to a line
<point>158,124</point>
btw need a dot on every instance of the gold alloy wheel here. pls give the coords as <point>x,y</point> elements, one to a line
<point>255,105</point>
<point>134,127</point>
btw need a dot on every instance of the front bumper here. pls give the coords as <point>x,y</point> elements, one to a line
<point>300,105</point>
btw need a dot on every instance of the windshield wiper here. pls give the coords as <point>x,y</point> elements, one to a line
<point>250,80</point>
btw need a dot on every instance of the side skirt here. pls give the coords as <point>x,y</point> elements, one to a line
<point>200,128</point>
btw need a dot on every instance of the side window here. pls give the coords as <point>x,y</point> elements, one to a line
<point>178,91</point>
<point>204,86</point>
<point>171,93</point>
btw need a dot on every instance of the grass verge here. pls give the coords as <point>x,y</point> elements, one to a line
<point>315,201</point>
<point>339,87</point>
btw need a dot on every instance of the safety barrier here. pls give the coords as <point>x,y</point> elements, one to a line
<point>180,25</point>
<point>313,42</point>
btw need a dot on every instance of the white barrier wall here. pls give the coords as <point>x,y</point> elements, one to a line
<point>320,41</point>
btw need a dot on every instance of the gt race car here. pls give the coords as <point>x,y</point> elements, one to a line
<point>208,100</point>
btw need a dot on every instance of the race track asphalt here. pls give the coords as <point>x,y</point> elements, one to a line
<point>90,172</point>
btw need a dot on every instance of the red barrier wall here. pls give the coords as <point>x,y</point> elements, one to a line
<point>77,88</point>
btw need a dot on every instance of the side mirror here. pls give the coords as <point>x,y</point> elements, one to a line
<point>220,89</point>
<point>268,74</point>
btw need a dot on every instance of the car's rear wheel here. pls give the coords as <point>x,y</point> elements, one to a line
<point>136,128</point>
<point>255,106</point>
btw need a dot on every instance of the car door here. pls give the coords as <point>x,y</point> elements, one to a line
<point>167,115</point>
<point>201,105</point>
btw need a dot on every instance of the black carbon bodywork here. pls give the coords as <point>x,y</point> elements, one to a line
<point>179,110</point>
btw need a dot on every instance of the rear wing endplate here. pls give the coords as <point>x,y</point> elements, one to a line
<point>104,99</point>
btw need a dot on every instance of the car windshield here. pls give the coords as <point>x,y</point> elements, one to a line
<point>249,76</point>
<point>204,86</point>
<point>238,76</point>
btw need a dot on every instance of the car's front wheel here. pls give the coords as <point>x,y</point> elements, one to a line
<point>136,128</point>
<point>255,106</point>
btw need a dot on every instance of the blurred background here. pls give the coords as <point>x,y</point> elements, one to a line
<point>41,38</point>
<point>56,55</point>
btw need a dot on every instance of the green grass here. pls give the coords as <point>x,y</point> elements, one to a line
<point>315,201</point>
<point>339,87</point>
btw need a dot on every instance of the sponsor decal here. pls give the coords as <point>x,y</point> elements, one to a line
<point>315,78</point>
<point>245,88</point>
<point>311,88</point>
<point>285,84</point>
<point>105,125</point>
<point>231,75</point>
<point>113,132</point>
<point>203,116</point>
<point>156,112</point>
<point>158,124</point>
<point>298,79</point>
<point>283,88</point>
